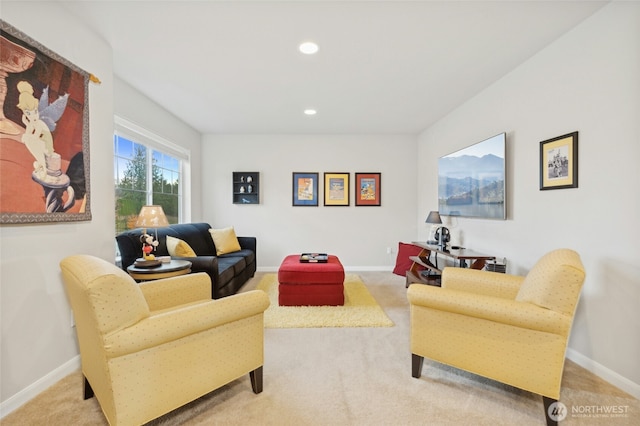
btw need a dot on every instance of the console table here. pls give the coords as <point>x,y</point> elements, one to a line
<point>461,255</point>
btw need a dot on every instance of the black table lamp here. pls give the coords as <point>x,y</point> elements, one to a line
<point>434,217</point>
<point>442,233</point>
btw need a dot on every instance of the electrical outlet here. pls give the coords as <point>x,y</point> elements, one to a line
<point>389,251</point>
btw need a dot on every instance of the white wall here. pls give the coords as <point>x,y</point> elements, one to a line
<point>586,81</point>
<point>38,345</point>
<point>36,334</point>
<point>358,235</point>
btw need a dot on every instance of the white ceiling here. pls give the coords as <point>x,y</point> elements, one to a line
<point>384,67</point>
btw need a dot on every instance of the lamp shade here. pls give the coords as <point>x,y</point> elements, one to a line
<point>151,217</point>
<point>434,217</point>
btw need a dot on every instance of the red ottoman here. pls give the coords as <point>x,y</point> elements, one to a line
<point>310,284</point>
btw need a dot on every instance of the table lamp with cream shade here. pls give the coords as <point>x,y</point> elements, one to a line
<point>150,217</point>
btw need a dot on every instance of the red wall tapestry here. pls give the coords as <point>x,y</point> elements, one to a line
<point>44,128</point>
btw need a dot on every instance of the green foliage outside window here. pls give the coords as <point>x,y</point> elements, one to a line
<point>131,165</point>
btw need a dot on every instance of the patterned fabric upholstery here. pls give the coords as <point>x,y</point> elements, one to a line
<point>148,349</point>
<point>554,282</point>
<point>496,325</point>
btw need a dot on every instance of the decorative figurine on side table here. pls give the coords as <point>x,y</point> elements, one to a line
<point>149,244</point>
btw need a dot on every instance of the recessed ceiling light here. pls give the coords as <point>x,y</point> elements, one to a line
<point>310,111</point>
<point>308,48</point>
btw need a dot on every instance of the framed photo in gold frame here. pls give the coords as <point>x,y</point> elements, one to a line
<point>336,189</point>
<point>559,162</point>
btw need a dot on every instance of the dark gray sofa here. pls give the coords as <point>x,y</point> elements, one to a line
<point>228,272</point>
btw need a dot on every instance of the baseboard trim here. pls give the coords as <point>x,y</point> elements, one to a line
<point>346,268</point>
<point>605,373</point>
<point>31,391</point>
<point>368,268</point>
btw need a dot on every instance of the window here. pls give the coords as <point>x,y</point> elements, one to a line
<point>147,170</point>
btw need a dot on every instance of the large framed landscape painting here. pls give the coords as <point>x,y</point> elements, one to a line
<point>44,128</point>
<point>471,181</point>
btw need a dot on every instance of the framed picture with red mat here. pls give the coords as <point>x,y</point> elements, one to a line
<point>367,189</point>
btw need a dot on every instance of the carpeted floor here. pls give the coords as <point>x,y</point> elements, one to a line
<point>353,376</point>
<point>360,309</point>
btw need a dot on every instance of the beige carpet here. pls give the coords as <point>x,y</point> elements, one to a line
<point>360,308</point>
<point>351,376</point>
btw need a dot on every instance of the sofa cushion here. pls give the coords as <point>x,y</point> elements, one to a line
<point>248,255</point>
<point>225,240</point>
<point>179,248</point>
<point>237,263</point>
<point>226,269</point>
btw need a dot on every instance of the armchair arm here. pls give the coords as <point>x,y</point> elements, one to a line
<point>496,309</point>
<point>168,292</point>
<point>182,322</point>
<point>481,282</point>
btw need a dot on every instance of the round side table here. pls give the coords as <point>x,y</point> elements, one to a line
<point>173,268</point>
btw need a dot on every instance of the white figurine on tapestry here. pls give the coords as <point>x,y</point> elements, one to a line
<point>39,118</point>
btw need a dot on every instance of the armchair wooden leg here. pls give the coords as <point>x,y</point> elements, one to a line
<point>547,403</point>
<point>416,365</point>
<point>256,380</point>
<point>87,390</point>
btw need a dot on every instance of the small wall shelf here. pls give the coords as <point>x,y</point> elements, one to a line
<point>246,187</point>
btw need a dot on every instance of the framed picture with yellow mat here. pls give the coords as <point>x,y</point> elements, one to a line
<point>559,162</point>
<point>336,189</point>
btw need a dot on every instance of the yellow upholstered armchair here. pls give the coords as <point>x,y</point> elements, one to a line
<point>508,328</point>
<point>149,348</point>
